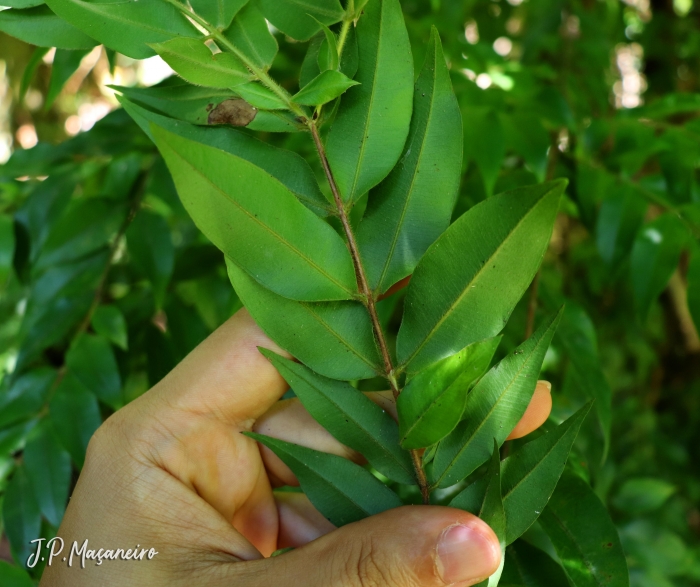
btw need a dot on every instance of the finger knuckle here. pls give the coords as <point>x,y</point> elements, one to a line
<point>368,565</point>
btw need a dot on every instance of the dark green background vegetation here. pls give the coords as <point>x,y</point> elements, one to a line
<point>105,283</point>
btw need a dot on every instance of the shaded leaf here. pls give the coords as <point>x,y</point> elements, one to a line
<point>219,13</point>
<point>91,361</point>
<point>531,567</point>
<point>493,408</point>
<point>413,206</point>
<point>65,64</point>
<point>468,282</point>
<point>250,35</point>
<point>693,278</point>
<point>492,512</point>
<point>309,66</point>
<point>370,129</point>
<point>25,397</point>
<point>277,240</point>
<point>30,70</point>
<point>328,51</point>
<point>14,576</point>
<point>109,322</point>
<point>7,248</point>
<point>322,89</point>
<point>620,216</point>
<point>642,495</point>
<point>432,403</point>
<point>350,417</point>
<point>40,26</point>
<point>341,490</point>
<point>300,20</point>
<point>484,142</point>
<point>527,135</point>
<point>21,515</point>
<point>334,339</point>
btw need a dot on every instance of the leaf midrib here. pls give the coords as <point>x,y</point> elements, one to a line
<point>214,66</point>
<point>263,225</point>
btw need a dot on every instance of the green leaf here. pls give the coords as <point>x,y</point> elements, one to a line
<point>252,37</point>
<point>584,536</point>
<point>483,264</point>
<point>693,278</point>
<point>309,66</point>
<point>300,19</point>
<point>91,360</point>
<point>328,51</point>
<point>7,248</point>
<point>484,142</point>
<point>492,512</point>
<point>530,474</point>
<point>49,470</point>
<point>40,26</point>
<point>620,216</point>
<point>65,64</point>
<point>128,26</point>
<point>219,13</point>
<point>642,495</point>
<point>261,97</point>
<point>531,567</point>
<point>370,129</point>
<point>30,70</point>
<point>195,62</point>
<point>432,403</point>
<point>493,408</point>
<point>337,337</point>
<point>75,416</point>
<point>21,515</point>
<point>151,249</point>
<point>350,417</point>
<point>288,167</point>
<point>22,3</point>
<point>25,397</point>
<point>13,576</point>
<point>527,135</point>
<point>281,243</point>
<point>342,491</point>
<point>324,88</point>
<point>109,322</point>
<point>413,206</point>
<point>655,255</point>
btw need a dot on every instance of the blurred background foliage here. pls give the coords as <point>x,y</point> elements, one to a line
<point>105,283</point>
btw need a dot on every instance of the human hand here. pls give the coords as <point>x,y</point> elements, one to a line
<point>172,472</point>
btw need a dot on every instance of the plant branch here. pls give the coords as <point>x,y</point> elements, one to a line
<point>368,299</point>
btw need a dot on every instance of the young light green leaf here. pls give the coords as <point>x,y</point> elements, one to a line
<point>530,475</point>
<point>322,89</point>
<point>251,36</point>
<point>655,255</point>
<point>350,417</point>
<point>286,247</point>
<point>91,360</point>
<point>341,490</point>
<point>300,20</point>
<point>48,469</point>
<point>412,207</point>
<point>493,408</point>
<point>219,13</point>
<point>286,166</point>
<point>109,322</point>
<point>370,129</point>
<point>7,247</point>
<point>21,516</point>
<point>432,403</point>
<point>40,26</point>
<point>75,416</point>
<point>65,64</point>
<point>492,512</point>
<point>328,51</point>
<point>261,97</point>
<point>483,264</point>
<point>151,249</point>
<point>584,536</point>
<point>529,566</point>
<point>195,62</point>
<point>337,340</point>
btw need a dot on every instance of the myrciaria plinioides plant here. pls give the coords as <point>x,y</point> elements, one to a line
<point>311,260</point>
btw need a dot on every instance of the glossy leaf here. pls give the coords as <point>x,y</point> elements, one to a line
<point>250,35</point>
<point>7,248</point>
<point>91,361</point>
<point>219,13</point>
<point>341,490</point>
<point>350,417</point>
<point>432,403</point>
<point>65,64</point>
<point>277,240</point>
<point>109,322</point>
<point>655,255</point>
<point>75,416</point>
<point>370,129</point>
<point>493,408</point>
<point>151,248</point>
<point>325,87</point>
<point>195,62</point>
<point>40,26</point>
<point>286,166</point>
<point>531,474</point>
<point>531,567</point>
<point>49,471</point>
<point>468,282</point>
<point>127,27</point>
<point>21,515</point>
<point>300,20</point>
<point>584,536</point>
<point>337,337</point>
<point>492,512</point>
<point>413,206</point>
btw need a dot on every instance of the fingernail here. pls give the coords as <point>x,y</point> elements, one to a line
<point>546,384</point>
<point>466,554</point>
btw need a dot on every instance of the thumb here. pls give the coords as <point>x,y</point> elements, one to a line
<point>412,546</point>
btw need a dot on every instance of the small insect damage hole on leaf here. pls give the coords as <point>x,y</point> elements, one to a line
<point>235,112</point>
